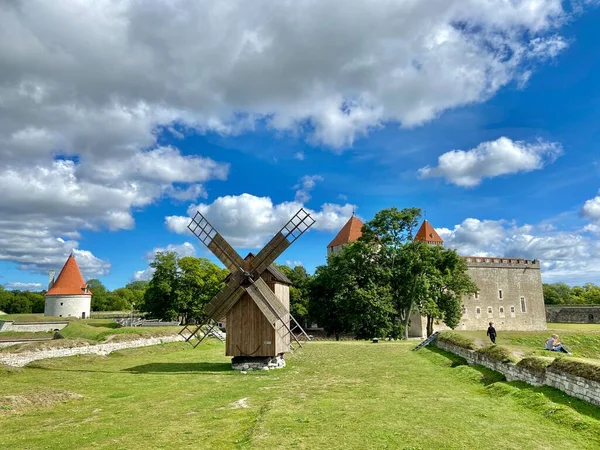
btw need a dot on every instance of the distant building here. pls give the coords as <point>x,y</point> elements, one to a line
<point>350,232</point>
<point>68,295</point>
<point>510,289</point>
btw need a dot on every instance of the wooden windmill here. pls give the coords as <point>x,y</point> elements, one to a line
<point>259,323</point>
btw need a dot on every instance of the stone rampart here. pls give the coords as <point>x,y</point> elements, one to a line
<point>22,359</point>
<point>572,385</point>
<point>573,313</point>
<point>31,327</point>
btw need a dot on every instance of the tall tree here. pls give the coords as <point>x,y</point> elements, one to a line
<point>448,281</point>
<point>161,297</point>
<point>299,292</point>
<point>200,280</point>
<point>100,298</point>
<point>392,232</point>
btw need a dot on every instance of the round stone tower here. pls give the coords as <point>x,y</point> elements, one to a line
<point>69,295</point>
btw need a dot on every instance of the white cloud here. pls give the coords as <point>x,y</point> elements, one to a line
<point>293,263</point>
<point>491,159</point>
<point>182,250</point>
<point>299,156</point>
<point>591,209</point>
<point>565,256</point>
<point>303,188</point>
<point>142,64</point>
<point>248,221</point>
<point>19,286</point>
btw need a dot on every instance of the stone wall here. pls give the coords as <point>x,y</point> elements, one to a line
<point>68,306</point>
<point>31,327</point>
<point>573,314</point>
<point>21,359</point>
<point>572,385</point>
<point>510,295</point>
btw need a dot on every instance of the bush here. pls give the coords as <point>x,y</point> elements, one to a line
<point>457,339</point>
<point>497,353</point>
<point>537,365</point>
<point>577,368</point>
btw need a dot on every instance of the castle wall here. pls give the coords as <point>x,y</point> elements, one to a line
<point>68,306</point>
<point>510,295</point>
<point>573,314</point>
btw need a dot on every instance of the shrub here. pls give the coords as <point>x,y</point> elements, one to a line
<point>537,365</point>
<point>577,368</point>
<point>497,353</point>
<point>457,339</point>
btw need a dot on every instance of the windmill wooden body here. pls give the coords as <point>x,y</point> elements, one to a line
<point>255,299</point>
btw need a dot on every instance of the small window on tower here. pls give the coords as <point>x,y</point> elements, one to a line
<point>61,304</point>
<point>502,310</point>
<point>490,310</point>
<point>500,294</point>
<point>523,308</point>
<point>512,309</point>
<point>478,310</point>
<point>477,294</point>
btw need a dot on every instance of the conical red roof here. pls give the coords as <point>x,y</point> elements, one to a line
<point>349,232</point>
<point>69,281</point>
<point>428,234</point>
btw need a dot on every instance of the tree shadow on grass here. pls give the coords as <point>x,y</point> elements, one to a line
<point>180,368</point>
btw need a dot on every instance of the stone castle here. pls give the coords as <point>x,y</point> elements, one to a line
<point>510,289</point>
<point>68,295</point>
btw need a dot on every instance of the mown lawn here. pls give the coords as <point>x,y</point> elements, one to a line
<point>334,395</point>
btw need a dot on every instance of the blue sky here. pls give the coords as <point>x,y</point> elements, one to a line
<point>106,147</point>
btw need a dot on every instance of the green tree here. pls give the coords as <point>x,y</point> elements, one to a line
<point>551,295</point>
<point>299,292</point>
<point>401,261</point>
<point>448,281</point>
<point>199,281</point>
<point>161,297</point>
<point>99,295</point>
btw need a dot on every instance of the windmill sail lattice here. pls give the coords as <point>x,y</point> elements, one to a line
<point>246,282</point>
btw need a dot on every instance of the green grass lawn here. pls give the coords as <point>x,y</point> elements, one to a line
<point>332,395</point>
<point>581,339</point>
<point>85,331</point>
<point>33,318</point>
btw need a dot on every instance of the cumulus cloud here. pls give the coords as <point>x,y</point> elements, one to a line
<point>591,209</point>
<point>293,263</point>
<point>142,64</point>
<point>491,159</point>
<point>248,221</point>
<point>303,188</point>
<point>564,255</point>
<point>182,250</point>
<point>18,286</point>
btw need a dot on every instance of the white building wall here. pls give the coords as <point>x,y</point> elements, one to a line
<point>68,306</point>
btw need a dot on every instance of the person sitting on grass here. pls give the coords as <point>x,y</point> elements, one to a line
<point>554,344</point>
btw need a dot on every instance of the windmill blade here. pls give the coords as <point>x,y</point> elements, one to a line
<point>207,234</point>
<point>292,230</point>
<point>270,298</point>
<point>266,305</point>
<point>225,299</point>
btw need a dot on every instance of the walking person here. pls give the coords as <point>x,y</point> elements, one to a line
<point>491,332</point>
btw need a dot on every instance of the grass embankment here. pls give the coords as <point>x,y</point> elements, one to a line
<point>337,395</point>
<point>583,340</point>
<point>34,318</point>
<point>82,332</point>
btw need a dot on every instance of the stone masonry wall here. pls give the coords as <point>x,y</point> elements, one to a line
<point>510,295</point>
<point>573,314</point>
<point>572,385</point>
<point>22,359</point>
<point>31,327</point>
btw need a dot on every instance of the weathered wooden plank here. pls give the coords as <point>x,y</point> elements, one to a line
<point>226,253</point>
<point>262,304</point>
<point>272,300</point>
<point>269,253</point>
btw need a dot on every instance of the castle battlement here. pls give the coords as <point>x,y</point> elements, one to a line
<point>487,261</point>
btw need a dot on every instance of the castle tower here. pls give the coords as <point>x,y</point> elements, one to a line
<point>68,295</point>
<point>350,232</point>
<point>428,234</point>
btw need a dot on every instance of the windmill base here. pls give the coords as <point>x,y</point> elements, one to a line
<point>245,363</point>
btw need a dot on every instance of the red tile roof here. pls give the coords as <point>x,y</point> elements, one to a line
<point>428,234</point>
<point>69,281</point>
<point>349,232</point>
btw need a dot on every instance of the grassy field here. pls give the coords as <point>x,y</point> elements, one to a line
<point>85,331</point>
<point>581,339</point>
<point>344,395</point>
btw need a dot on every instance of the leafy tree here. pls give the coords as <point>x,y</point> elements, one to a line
<point>161,297</point>
<point>100,298</point>
<point>299,292</point>
<point>448,282</point>
<point>401,261</point>
<point>325,304</point>
<point>199,281</point>
<point>551,295</point>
